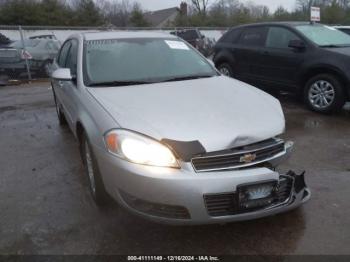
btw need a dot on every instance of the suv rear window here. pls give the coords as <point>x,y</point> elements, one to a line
<point>253,36</point>
<point>231,36</point>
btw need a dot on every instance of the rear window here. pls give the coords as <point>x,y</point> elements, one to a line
<point>253,36</point>
<point>231,36</point>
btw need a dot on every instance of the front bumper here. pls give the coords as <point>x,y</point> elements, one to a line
<point>177,196</point>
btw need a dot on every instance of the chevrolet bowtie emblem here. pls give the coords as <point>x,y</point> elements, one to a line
<point>247,158</point>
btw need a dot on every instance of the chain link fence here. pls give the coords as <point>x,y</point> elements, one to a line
<point>27,52</point>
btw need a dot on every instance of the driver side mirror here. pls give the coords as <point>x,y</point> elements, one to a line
<point>297,44</point>
<point>62,74</point>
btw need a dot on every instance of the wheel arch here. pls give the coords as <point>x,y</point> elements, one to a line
<point>223,57</point>
<point>325,70</point>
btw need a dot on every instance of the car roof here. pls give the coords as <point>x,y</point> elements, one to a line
<point>285,23</point>
<point>123,34</point>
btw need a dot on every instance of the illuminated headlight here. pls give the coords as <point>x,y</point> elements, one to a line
<point>139,149</point>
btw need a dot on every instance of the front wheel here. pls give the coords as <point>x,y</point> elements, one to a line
<point>225,69</point>
<point>324,93</point>
<point>61,118</point>
<point>96,185</point>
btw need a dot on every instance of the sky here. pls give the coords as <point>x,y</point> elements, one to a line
<point>162,4</point>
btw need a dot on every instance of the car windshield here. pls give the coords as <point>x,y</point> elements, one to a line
<point>324,35</point>
<point>142,60</point>
<point>27,43</point>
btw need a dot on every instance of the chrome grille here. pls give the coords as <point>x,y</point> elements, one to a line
<point>234,158</point>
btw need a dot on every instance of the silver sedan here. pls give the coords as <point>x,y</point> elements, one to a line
<point>168,137</point>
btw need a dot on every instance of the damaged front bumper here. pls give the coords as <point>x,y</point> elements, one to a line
<point>184,197</point>
<point>227,207</point>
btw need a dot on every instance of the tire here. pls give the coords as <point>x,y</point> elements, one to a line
<point>324,93</point>
<point>61,118</point>
<point>96,186</point>
<point>225,69</point>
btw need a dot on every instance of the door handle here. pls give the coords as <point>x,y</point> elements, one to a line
<point>60,84</point>
<point>265,52</point>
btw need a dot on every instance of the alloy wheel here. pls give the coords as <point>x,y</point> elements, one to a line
<point>225,71</point>
<point>321,94</point>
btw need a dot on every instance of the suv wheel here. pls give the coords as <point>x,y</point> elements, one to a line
<point>61,118</point>
<point>225,69</point>
<point>324,93</point>
<point>96,185</point>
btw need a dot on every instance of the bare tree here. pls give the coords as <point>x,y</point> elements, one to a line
<point>201,6</point>
<point>116,12</point>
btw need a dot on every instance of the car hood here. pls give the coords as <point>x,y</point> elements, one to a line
<point>340,50</point>
<point>219,112</point>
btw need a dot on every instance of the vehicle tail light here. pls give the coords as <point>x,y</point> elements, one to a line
<point>26,55</point>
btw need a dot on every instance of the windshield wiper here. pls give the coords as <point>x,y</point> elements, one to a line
<point>334,46</point>
<point>182,78</point>
<point>119,83</point>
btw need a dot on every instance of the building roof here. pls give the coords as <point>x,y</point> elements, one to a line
<point>155,18</point>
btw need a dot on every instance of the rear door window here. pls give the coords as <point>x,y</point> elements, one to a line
<point>253,36</point>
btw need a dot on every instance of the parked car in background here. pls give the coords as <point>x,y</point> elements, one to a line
<point>4,41</point>
<point>345,29</point>
<point>196,39</point>
<point>12,63</point>
<point>312,60</point>
<point>39,52</point>
<point>172,140</point>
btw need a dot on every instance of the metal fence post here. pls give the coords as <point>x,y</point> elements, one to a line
<point>25,55</point>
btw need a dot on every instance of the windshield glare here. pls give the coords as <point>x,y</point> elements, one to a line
<point>141,60</point>
<point>324,35</point>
